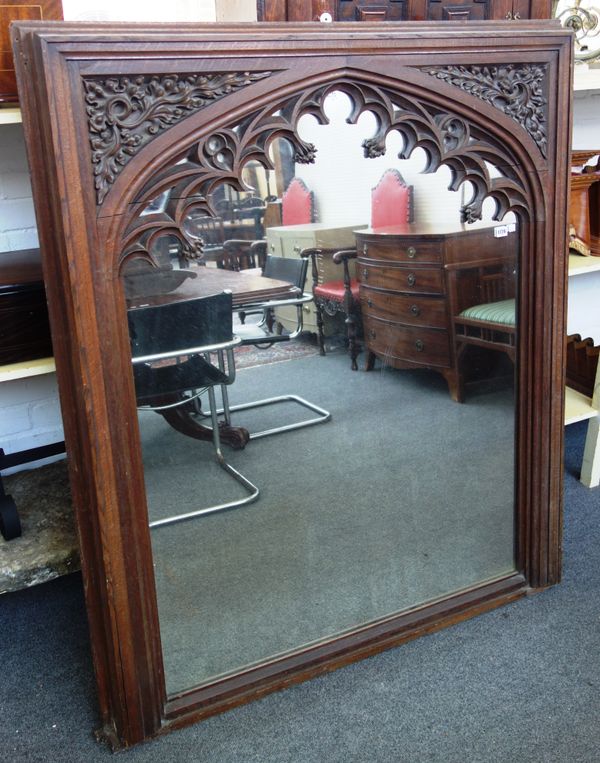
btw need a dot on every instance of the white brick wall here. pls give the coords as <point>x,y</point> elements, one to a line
<point>17,217</point>
<point>29,415</point>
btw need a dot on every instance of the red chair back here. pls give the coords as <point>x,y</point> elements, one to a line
<point>391,201</point>
<point>297,206</point>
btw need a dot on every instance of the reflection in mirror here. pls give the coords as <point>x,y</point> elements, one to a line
<point>394,494</point>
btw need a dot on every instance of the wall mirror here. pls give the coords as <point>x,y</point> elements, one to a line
<point>200,193</point>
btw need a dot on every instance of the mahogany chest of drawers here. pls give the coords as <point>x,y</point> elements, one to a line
<point>407,282</point>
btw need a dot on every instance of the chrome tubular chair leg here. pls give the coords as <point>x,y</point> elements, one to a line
<point>253,491</point>
<point>320,419</point>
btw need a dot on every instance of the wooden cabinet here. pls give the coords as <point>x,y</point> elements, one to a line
<point>19,10</point>
<point>24,326</point>
<point>290,240</point>
<point>403,10</point>
<point>408,297</point>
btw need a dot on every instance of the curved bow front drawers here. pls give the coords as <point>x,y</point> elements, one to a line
<point>410,289</point>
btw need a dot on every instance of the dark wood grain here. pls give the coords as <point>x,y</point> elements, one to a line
<point>83,244</point>
<point>22,266</point>
<point>19,10</point>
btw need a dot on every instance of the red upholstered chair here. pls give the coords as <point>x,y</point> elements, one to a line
<point>297,204</point>
<point>391,204</point>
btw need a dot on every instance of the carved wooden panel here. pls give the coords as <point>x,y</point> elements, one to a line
<point>19,10</point>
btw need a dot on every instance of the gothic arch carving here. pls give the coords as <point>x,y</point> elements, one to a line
<point>446,135</point>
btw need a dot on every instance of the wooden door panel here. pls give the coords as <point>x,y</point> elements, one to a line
<point>450,10</point>
<point>402,10</point>
<point>371,10</point>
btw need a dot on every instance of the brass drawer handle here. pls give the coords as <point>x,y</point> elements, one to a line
<point>365,274</point>
<point>370,302</point>
<point>297,249</point>
<point>412,279</point>
<point>272,247</point>
<point>365,249</point>
<point>419,345</point>
<point>415,310</point>
<point>372,334</point>
<point>412,252</point>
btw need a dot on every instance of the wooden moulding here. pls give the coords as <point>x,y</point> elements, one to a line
<point>87,221</point>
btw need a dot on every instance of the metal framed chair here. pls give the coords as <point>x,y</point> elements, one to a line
<point>174,348</point>
<point>261,335</point>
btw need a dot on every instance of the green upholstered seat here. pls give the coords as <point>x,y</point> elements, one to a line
<point>492,312</point>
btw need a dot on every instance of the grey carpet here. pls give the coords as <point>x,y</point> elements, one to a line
<point>518,684</point>
<point>403,497</point>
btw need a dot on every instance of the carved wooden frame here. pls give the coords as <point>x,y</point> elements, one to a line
<point>477,92</point>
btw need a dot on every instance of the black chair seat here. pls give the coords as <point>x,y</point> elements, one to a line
<point>193,373</point>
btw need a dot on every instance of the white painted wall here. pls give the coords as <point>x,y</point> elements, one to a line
<point>159,10</point>
<point>342,179</point>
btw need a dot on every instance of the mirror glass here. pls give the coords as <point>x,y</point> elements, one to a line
<point>401,491</point>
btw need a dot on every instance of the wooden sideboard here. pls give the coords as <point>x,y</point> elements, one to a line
<point>409,290</point>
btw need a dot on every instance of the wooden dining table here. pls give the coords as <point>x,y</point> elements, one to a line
<point>247,287</point>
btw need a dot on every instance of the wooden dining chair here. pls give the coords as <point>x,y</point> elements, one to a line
<point>391,205</point>
<point>482,302</point>
<point>297,204</point>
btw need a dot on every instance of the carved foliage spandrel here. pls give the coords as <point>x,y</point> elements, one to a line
<point>518,90</point>
<point>126,113</point>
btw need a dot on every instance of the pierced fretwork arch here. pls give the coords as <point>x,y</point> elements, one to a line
<point>447,137</point>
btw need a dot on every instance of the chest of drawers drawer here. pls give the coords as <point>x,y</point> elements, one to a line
<point>24,327</point>
<point>406,279</point>
<point>408,250</point>
<point>414,310</point>
<point>425,346</point>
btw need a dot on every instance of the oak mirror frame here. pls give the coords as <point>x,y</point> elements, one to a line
<point>473,95</point>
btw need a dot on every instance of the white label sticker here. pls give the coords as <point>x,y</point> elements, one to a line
<point>500,231</point>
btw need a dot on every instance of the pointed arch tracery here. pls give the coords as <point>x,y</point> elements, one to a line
<point>447,137</point>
